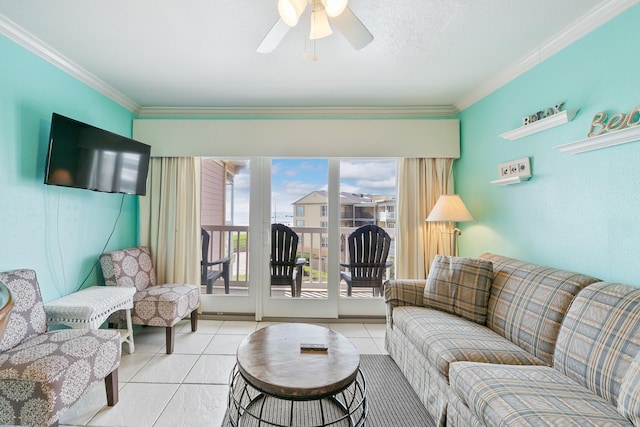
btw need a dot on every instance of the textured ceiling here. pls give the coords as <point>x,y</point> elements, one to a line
<point>196,53</point>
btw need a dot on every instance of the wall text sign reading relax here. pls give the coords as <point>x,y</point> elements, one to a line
<point>599,124</point>
<point>542,114</point>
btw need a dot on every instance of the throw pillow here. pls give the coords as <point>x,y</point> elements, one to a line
<point>460,286</point>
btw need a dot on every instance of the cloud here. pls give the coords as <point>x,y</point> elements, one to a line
<point>371,169</point>
<point>368,176</point>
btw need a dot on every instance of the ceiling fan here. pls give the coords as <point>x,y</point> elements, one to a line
<point>323,12</point>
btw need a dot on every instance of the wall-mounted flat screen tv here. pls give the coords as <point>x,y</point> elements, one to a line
<point>84,156</point>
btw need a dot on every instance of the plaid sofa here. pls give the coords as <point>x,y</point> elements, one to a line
<point>514,320</point>
<point>594,380</point>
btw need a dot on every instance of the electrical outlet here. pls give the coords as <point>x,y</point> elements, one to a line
<point>522,167</point>
<point>519,167</point>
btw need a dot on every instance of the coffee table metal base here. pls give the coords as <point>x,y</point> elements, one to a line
<point>248,406</point>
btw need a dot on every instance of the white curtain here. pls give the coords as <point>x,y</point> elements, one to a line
<point>170,218</point>
<point>421,182</point>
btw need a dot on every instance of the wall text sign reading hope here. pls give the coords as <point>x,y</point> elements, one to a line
<point>542,114</point>
<point>600,125</point>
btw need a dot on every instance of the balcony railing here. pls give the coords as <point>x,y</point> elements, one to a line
<point>233,241</point>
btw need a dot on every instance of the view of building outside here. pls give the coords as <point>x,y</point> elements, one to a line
<point>356,210</point>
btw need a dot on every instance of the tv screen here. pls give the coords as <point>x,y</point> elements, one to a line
<point>84,156</point>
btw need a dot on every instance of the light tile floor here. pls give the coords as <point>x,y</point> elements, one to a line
<point>190,386</point>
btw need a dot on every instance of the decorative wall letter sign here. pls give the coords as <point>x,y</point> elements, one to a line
<point>599,124</point>
<point>542,114</point>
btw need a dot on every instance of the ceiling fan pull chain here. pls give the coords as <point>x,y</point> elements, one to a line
<point>307,24</point>
<point>315,57</point>
<point>313,25</point>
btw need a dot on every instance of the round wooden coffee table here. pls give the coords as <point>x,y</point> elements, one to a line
<point>277,383</point>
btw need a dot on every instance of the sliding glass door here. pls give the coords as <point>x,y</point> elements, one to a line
<point>367,197</point>
<point>225,204</point>
<point>320,201</point>
<point>299,190</point>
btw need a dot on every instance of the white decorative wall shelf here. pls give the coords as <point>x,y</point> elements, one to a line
<point>514,172</point>
<point>547,123</point>
<point>511,180</point>
<point>605,140</point>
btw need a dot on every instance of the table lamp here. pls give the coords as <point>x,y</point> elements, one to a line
<point>450,208</point>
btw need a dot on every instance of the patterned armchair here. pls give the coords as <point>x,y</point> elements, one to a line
<point>153,304</point>
<point>44,373</point>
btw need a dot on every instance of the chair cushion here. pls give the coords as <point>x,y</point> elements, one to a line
<point>529,396</point>
<point>446,338</point>
<point>164,305</point>
<point>128,267</point>
<point>49,372</point>
<point>27,318</point>
<point>459,286</point>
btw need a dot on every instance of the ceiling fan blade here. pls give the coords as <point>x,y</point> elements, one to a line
<point>352,29</point>
<point>273,37</point>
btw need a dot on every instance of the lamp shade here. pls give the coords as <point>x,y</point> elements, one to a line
<point>449,208</point>
<point>334,7</point>
<point>290,10</point>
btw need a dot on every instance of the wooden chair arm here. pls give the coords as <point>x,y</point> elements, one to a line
<point>216,262</point>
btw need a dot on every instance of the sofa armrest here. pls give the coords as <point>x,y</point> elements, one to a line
<point>401,292</point>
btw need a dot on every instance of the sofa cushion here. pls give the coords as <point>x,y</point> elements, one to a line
<point>629,396</point>
<point>600,337</point>
<point>459,286</point>
<point>528,302</point>
<point>445,338</point>
<point>529,396</point>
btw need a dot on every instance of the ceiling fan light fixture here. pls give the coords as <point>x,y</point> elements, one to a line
<point>334,7</point>
<point>319,24</point>
<point>291,10</point>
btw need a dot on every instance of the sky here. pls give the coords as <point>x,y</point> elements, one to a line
<point>292,179</point>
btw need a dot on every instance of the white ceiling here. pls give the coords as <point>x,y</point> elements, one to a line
<point>202,53</point>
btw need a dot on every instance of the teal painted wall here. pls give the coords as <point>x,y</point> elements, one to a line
<point>59,232</point>
<point>580,212</point>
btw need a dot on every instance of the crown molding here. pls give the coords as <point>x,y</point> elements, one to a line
<point>30,42</point>
<point>581,27</point>
<point>295,112</point>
